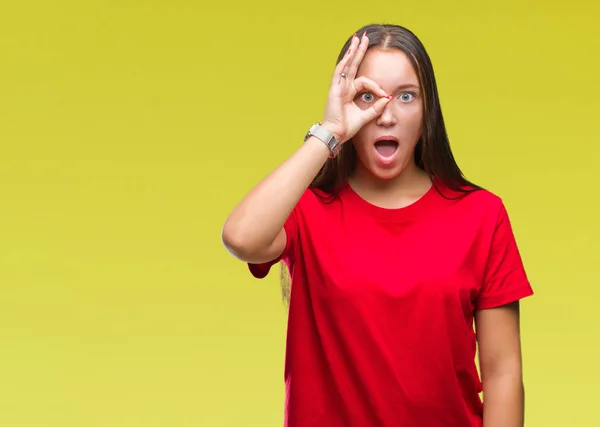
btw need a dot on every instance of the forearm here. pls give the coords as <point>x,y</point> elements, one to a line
<point>503,401</point>
<point>253,230</point>
<point>257,220</point>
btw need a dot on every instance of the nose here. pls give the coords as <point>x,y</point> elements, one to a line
<point>387,118</point>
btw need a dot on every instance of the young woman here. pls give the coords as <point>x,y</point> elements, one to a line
<point>393,255</point>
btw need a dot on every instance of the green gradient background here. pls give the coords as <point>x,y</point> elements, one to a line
<point>129,129</point>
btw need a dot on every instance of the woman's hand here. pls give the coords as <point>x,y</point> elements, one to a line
<point>342,116</point>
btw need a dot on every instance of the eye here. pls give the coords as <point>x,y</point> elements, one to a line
<point>367,97</point>
<point>407,96</point>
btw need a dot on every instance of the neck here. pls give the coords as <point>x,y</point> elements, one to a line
<point>397,192</point>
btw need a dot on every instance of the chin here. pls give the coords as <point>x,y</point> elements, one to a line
<point>384,173</point>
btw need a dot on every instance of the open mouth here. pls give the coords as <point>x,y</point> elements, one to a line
<point>386,147</point>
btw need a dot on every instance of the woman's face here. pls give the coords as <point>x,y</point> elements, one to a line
<point>385,146</point>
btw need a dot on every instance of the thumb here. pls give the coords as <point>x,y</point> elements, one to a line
<point>376,109</point>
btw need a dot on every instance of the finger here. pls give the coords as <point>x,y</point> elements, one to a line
<point>343,64</point>
<point>358,56</point>
<point>362,83</point>
<point>375,110</point>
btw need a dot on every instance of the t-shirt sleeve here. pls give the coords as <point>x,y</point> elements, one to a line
<point>261,271</point>
<point>505,279</point>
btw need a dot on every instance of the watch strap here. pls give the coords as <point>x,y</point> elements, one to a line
<point>326,137</point>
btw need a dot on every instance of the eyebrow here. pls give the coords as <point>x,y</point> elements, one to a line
<point>407,86</point>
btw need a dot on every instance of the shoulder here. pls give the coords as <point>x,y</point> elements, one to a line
<point>317,208</point>
<point>315,199</point>
<point>475,203</point>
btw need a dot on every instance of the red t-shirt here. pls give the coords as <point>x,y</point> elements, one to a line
<point>380,327</point>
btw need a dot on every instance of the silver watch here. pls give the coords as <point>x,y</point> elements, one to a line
<point>327,137</point>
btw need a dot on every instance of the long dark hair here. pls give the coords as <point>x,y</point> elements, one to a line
<point>432,152</point>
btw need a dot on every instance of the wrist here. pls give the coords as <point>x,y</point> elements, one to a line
<point>327,136</point>
<point>333,129</point>
<point>318,147</point>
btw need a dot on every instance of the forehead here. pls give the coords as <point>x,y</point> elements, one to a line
<point>389,68</point>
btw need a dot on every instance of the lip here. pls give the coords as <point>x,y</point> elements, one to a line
<point>387,161</point>
<point>387,138</point>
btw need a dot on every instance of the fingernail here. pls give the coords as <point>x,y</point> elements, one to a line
<point>348,51</point>
<point>389,96</point>
<point>365,34</point>
<point>355,35</point>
